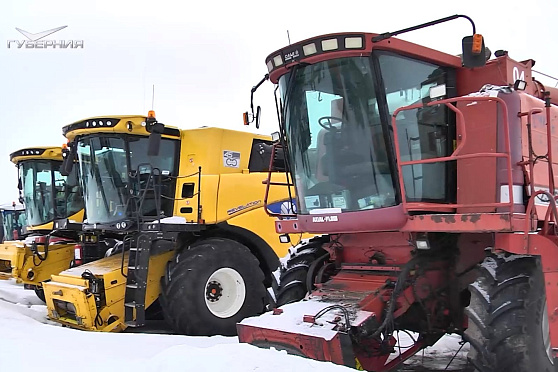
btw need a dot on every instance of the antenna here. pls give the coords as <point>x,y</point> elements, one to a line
<point>153,97</point>
<point>289,37</point>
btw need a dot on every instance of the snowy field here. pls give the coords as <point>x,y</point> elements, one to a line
<point>28,341</point>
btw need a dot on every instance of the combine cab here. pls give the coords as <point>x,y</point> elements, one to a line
<point>187,206</point>
<point>433,178</point>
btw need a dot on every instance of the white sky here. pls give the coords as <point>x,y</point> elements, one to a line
<point>204,56</point>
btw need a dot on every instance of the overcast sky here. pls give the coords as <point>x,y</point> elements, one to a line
<point>204,56</point>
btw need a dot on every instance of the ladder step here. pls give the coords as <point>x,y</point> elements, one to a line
<point>134,324</point>
<point>134,305</point>
<point>136,283</point>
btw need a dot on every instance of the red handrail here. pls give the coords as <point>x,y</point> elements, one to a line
<point>268,183</point>
<point>460,121</point>
<point>551,209</point>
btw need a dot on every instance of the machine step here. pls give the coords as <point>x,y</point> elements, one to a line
<point>136,282</point>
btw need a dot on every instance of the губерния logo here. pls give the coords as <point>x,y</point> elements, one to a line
<point>34,40</point>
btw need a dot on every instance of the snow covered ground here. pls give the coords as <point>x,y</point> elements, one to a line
<point>29,341</point>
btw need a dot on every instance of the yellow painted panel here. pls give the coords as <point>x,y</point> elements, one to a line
<point>28,269</point>
<point>58,259</point>
<point>208,194</point>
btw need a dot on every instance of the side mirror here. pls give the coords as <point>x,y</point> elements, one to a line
<point>155,130</point>
<point>474,51</point>
<point>154,143</point>
<point>250,117</point>
<point>257,118</point>
<point>68,158</point>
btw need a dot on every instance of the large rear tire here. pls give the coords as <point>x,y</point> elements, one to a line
<point>293,281</point>
<point>508,322</point>
<point>211,286</point>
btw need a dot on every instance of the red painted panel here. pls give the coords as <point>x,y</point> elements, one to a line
<point>387,248</point>
<point>476,178</point>
<point>499,71</point>
<point>383,219</point>
<point>310,346</point>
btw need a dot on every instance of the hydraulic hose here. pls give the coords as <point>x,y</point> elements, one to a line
<point>394,294</point>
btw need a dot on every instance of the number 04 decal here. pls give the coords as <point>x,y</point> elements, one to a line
<point>517,75</point>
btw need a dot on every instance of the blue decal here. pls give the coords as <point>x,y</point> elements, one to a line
<point>283,207</point>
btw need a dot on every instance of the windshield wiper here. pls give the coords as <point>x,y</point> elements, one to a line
<point>289,91</point>
<point>97,174</point>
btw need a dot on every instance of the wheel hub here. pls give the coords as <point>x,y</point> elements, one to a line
<point>214,291</point>
<point>225,292</point>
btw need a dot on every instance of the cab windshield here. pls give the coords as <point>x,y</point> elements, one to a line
<point>336,138</point>
<point>337,129</point>
<point>102,162</point>
<point>47,194</point>
<point>116,168</point>
<point>13,222</point>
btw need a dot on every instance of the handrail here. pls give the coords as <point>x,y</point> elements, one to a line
<point>460,122</point>
<point>530,114</point>
<point>200,221</point>
<point>530,205</point>
<point>268,183</point>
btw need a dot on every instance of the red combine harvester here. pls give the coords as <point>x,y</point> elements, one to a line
<point>432,179</point>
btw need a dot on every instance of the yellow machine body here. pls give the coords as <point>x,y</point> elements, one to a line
<point>230,197</point>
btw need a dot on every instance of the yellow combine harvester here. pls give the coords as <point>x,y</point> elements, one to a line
<point>12,220</point>
<point>54,206</point>
<point>187,205</point>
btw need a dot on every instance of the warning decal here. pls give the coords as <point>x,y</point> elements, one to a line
<point>231,159</point>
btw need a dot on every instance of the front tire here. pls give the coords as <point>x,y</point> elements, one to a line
<point>40,292</point>
<point>293,281</point>
<point>211,286</point>
<point>508,322</point>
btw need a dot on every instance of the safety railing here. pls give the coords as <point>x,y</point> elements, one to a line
<point>270,183</point>
<point>455,156</point>
<point>532,160</point>
<point>154,183</point>
<point>551,211</point>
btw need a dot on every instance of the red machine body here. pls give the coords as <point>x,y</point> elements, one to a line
<point>469,208</point>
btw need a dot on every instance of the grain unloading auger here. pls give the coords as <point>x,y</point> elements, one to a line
<point>433,177</point>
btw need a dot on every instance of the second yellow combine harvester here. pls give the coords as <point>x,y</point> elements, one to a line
<point>187,206</point>
<point>54,211</point>
<point>12,220</point>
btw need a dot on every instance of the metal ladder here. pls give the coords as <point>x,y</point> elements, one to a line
<point>136,281</point>
<point>138,260</point>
